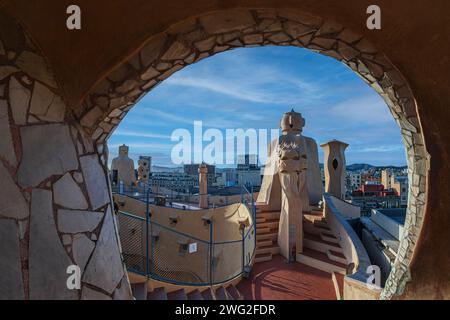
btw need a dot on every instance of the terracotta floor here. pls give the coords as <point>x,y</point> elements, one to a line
<point>279,280</point>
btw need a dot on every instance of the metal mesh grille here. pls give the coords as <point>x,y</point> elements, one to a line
<point>249,245</point>
<point>172,256</point>
<point>224,268</point>
<point>132,237</point>
<point>178,258</point>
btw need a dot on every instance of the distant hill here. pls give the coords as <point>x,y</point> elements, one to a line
<point>366,166</point>
<point>166,169</point>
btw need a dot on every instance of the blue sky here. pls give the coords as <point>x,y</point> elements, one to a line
<point>252,88</point>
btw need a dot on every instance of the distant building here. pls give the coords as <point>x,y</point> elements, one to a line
<point>226,177</point>
<point>248,172</point>
<point>247,161</point>
<point>175,181</point>
<point>192,170</point>
<point>373,195</point>
<point>386,176</point>
<point>354,181</point>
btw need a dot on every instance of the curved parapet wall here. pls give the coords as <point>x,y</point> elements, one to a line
<point>347,209</point>
<point>355,283</point>
<point>218,252</point>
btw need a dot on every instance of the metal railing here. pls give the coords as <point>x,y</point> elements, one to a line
<point>166,254</point>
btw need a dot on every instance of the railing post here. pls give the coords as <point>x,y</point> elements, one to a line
<point>147,220</point>
<point>211,253</point>
<point>243,249</point>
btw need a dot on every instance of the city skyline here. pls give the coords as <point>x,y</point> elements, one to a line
<point>335,102</point>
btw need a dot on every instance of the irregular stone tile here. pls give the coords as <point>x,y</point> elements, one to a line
<point>329,27</point>
<point>347,51</point>
<point>6,71</point>
<point>11,287</point>
<point>115,113</point>
<point>13,204</point>
<point>19,98</point>
<point>301,17</point>
<point>6,143</point>
<point>205,45</point>
<point>124,290</point>
<point>349,36</point>
<point>279,37</point>
<point>227,21</point>
<point>78,177</point>
<point>90,294</point>
<point>105,269</point>
<point>324,42</point>
<point>68,194</point>
<point>82,248</point>
<point>95,181</point>
<point>36,67</point>
<point>91,117</point>
<point>66,239</point>
<point>127,86</point>
<point>47,150</point>
<point>253,38</point>
<point>295,29</point>
<point>151,51</point>
<point>48,260</point>
<point>46,105</point>
<point>75,221</point>
<point>176,51</point>
<point>169,72</point>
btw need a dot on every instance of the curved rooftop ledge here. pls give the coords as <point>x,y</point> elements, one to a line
<point>355,284</point>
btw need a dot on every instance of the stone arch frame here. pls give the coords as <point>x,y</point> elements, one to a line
<point>199,37</point>
<point>56,207</point>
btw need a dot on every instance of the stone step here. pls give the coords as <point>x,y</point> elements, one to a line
<point>321,224</point>
<point>266,236</point>
<point>336,256</point>
<point>222,294</point>
<point>157,294</point>
<point>195,295</point>
<point>268,215</point>
<point>272,224</point>
<point>264,242</point>
<point>208,294</point>
<point>315,242</point>
<point>338,282</point>
<point>262,230</point>
<point>320,260</point>
<point>329,238</point>
<point>311,228</point>
<point>139,290</point>
<point>177,295</point>
<point>272,249</point>
<point>234,292</point>
<point>263,257</point>
<point>311,218</point>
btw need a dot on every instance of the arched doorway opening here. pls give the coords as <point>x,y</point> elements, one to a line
<point>193,40</point>
<point>162,55</point>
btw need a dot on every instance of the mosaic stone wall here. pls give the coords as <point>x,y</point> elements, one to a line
<point>198,38</point>
<point>55,203</point>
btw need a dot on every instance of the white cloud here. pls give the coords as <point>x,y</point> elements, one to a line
<point>142,134</point>
<point>368,109</point>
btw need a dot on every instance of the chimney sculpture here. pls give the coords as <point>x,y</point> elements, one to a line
<point>203,186</point>
<point>292,174</point>
<point>334,167</point>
